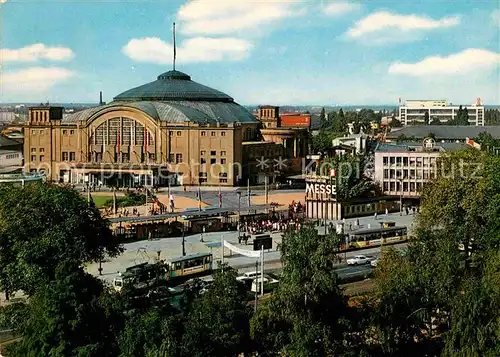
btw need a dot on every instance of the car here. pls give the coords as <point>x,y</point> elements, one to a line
<point>358,260</point>
<point>374,262</point>
<point>248,276</point>
<point>267,282</point>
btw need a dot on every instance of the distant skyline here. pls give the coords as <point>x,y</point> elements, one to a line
<point>259,52</point>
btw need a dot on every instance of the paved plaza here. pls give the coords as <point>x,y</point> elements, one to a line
<point>168,248</point>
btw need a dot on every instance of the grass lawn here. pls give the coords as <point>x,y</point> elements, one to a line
<point>100,200</point>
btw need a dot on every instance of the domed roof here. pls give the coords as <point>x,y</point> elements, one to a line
<point>173,85</point>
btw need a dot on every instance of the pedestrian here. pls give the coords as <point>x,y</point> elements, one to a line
<point>386,211</point>
<point>202,233</point>
<point>375,215</point>
<point>149,235</point>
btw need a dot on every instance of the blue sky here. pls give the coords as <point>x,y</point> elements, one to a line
<point>259,52</point>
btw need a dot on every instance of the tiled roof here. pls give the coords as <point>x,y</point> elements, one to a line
<point>443,132</point>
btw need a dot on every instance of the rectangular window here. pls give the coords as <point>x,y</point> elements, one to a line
<point>33,157</point>
<point>71,132</point>
<point>223,133</point>
<point>386,173</point>
<point>33,149</point>
<point>42,157</point>
<point>179,133</point>
<point>386,186</point>
<point>72,156</point>
<point>42,150</point>
<point>412,186</point>
<point>405,186</point>
<point>398,161</point>
<point>203,133</point>
<point>405,161</point>
<point>222,153</point>
<point>393,186</point>
<point>178,158</point>
<point>223,180</point>
<point>170,133</point>
<point>213,133</point>
<point>213,153</point>
<point>392,160</point>
<point>33,132</point>
<point>203,161</point>
<point>202,152</point>
<point>171,157</point>
<point>125,157</point>
<point>213,161</point>
<point>203,180</point>
<point>65,156</point>
<point>151,157</point>
<point>42,131</point>
<point>223,161</point>
<point>203,174</point>
<point>223,174</point>
<point>385,160</point>
<point>65,132</point>
<point>392,174</point>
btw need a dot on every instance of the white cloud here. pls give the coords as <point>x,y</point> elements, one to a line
<point>337,8</point>
<point>383,21</point>
<point>209,17</point>
<point>36,52</point>
<point>34,79</point>
<point>469,60</point>
<point>198,49</point>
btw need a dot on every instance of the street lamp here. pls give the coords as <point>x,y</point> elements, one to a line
<point>183,240</point>
<point>401,195</point>
<point>239,206</point>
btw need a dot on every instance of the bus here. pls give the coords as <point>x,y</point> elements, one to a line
<point>376,236</point>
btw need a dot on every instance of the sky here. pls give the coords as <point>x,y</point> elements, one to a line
<point>259,52</point>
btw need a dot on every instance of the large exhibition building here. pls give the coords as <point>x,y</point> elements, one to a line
<point>172,129</point>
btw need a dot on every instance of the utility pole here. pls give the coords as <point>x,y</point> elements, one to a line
<point>262,270</point>
<point>256,283</point>
<point>248,192</point>
<point>266,190</point>
<point>239,214</point>
<point>146,204</point>
<point>183,240</point>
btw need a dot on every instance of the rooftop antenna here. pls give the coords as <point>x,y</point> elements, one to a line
<point>175,50</point>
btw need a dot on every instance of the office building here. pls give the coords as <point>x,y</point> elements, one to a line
<point>401,169</point>
<point>414,111</point>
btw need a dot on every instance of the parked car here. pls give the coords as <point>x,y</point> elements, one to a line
<point>358,260</point>
<point>374,262</point>
<point>268,283</point>
<point>248,276</point>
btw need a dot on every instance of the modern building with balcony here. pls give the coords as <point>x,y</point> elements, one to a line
<point>401,169</point>
<point>414,111</point>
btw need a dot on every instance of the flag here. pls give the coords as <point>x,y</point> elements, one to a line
<point>220,198</point>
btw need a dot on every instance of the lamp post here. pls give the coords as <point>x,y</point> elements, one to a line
<point>183,240</point>
<point>401,195</point>
<point>239,207</point>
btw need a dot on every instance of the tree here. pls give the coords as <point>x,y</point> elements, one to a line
<point>73,315</point>
<point>218,323</point>
<point>307,314</point>
<point>351,180</point>
<point>435,121</point>
<point>426,117</point>
<point>461,117</point>
<point>395,123</point>
<point>487,141</point>
<point>43,226</point>
<point>323,122</point>
<point>438,290</point>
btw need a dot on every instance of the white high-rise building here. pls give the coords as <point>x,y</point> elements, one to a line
<point>414,110</point>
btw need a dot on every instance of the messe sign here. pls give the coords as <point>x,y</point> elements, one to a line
<point>321,188</point>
